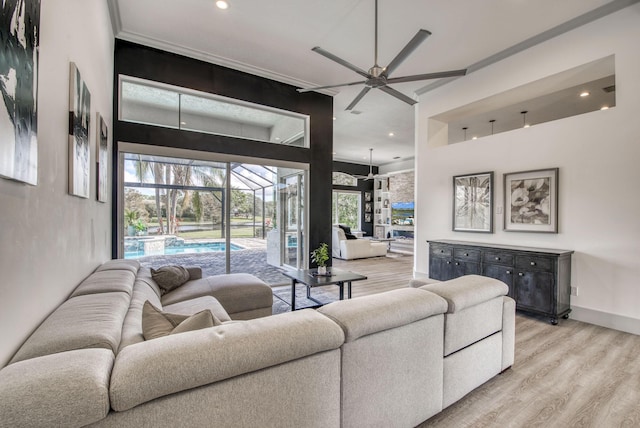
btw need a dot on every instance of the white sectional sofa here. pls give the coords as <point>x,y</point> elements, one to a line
<point>360,248</point>
<point>393,359</point>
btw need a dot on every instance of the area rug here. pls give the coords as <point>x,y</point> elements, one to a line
<point>282,297</point>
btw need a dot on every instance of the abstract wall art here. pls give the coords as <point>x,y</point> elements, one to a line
<point>102,159</point>
<point>79,118</point>
<point>473,202</point>
<point>19,46</point>
<point>531,201</point>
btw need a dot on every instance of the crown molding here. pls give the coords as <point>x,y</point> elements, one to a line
<point>215,59</point>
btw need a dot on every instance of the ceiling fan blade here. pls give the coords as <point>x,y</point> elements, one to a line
<point>357,99</point>
<point>330,86</point>
<point>427,76</point>
<point>340,61</point>
<point>398,95</point>
<point>420,36</point>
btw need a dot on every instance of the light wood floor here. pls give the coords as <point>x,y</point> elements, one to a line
<point>570,375</point>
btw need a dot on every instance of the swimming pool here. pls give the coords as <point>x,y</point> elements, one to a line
<point>138,248</point>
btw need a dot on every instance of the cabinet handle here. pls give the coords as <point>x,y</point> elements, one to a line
<point>497,258</point>
<point>520,274</point>
<point>533,263</point>
<point>466,254</point>
<point>508,272</point>
<point>448,263</point>
<point>442,251</point>
<point>457,264</point>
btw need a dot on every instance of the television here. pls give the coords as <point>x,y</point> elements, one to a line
<point>402,213</point>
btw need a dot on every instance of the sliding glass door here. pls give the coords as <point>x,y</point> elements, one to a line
<point>223,216</point>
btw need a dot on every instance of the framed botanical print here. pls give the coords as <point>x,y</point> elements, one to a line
<point>473,202</point>
<point>531,201</point>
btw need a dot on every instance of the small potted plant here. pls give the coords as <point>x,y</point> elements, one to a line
<point>140,226</point>
<point>320,256</point>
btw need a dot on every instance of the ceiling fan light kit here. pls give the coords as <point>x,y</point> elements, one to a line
<point>378,77</point>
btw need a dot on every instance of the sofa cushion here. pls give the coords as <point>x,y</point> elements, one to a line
<point>59,390</point>
<point>378,312</point>
<point>170,277</point>
<point>120,264</point>
<point>152,369</point>
<point>132,326</point>
<point>156,323</point>
<point>468,290</point>
<point>236,292</point>
<point>192,306</point>
<point>90,321</point>
<point>106,281</point>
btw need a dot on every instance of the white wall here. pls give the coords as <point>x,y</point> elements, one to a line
<point>597,153</point>
<point>51,240</point>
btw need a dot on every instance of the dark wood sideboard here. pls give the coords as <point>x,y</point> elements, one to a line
<point>539,279</point>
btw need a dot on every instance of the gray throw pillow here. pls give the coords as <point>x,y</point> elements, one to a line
<point>170,277</point>
<point>156,323</point>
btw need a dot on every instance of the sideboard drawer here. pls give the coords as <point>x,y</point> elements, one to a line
<point>498,258</point>
<point>534,262</point>
<point>440,251</point>
<point>466,255</point>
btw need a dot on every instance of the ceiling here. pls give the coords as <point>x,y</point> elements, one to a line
<point>274,39</point>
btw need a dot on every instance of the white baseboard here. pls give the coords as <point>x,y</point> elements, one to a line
<point>605,319</point>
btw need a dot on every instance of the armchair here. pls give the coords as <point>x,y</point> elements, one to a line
<point>349,249</point>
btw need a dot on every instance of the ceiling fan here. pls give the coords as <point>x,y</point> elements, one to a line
<point>370,176</point>
<point>378,77</point>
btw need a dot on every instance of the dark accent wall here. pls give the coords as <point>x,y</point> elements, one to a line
<point>358,169</point>
<point>140,61</point>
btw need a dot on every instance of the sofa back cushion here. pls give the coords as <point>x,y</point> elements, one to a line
<point>106,281</point>
<point>132,326</point>
<point>88,321</point>
<point>67,389</point>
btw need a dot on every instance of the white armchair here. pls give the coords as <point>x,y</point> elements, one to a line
<point>349,249</point>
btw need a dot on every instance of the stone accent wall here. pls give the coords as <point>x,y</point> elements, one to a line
<point>401,187</point>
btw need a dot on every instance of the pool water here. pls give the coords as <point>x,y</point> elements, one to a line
<point>208,247</point>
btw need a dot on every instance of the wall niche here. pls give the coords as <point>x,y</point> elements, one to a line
<point>583,89</point>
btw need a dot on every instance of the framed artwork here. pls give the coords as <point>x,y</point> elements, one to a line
<point>20,36</point>
<point>473,202</point>
<point>367,196</point>
<point>367,207</point>
<point>379,232</point>
<point>367,218</point>
<point>531,201</point>
<point>102,160</point>
<point>79,118</point>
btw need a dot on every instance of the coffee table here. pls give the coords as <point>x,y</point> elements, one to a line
<point>310,278</point>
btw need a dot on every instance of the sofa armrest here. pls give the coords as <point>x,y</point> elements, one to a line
<point>508,332</point>
<point>62,389</point>
<point>371,314</point>
<point>195,272</point>
<point>467,291</point>
<point>163,366</point>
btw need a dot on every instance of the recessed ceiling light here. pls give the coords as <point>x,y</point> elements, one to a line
<point>334,118</point>
<point>277,138</point>
<point>526,125</point>
<point>391,134</point>
<point>183,123</point>
<point>604,108</point>
<point>585,94</point>
<point>334,153</point>
<point>222,4</point>
<point>474,138</point>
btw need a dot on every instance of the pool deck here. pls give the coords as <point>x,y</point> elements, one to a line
<point>252,259</point>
